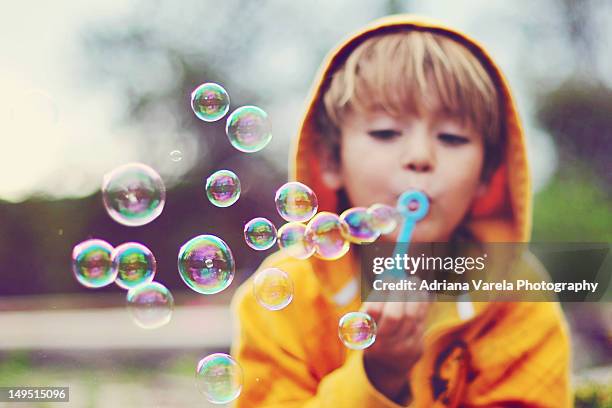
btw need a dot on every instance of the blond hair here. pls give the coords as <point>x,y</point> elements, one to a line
<point>397,72</point>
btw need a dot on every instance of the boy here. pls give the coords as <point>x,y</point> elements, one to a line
<point>407,104</point>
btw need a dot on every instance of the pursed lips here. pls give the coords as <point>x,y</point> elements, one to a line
<point>429,198</point>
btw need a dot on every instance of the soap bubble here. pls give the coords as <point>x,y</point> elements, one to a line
<point>296,202</point>
<point>273,288</point>
<point>223,188</point>
<point>219,377</point>
<point>210,102</point>
<point>292,239</point>
<point>206,264</point>
<point>91,263</point>
<point>384,218</point>
<point>150,305</point>
<point>133,194</point>
<point>357,330</point>
<point>327,232</point>
<point>134,263</point>
<point>360,229</point>
<point>260,233</point>
<point>176,155</point>
<point>248,129</point>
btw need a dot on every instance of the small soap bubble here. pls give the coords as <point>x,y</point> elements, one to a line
<point>133,194</point>
<point>357,330</point>
<point>91,263</point>
<point>249,129</point>
<point>206,264</point>
<point>273,288</point>
<point>135,264</point>
<point>292,239</point>
<point>296,202</point>
<point>260,233</point>
<point>384,218</point>
<point>176,155</point>
<point>223,188</point>
<point>219,377</point>
<point>150,305</point>
<point>360,230</point>
<point>210,102</point>
<point>327,233</point>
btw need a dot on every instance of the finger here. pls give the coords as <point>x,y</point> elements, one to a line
<point>412,309</point>
<point>420,295</point>
<point>424,308</point>
<point>373,309</point>
<point>410,319</point>
<point>419,332</point>
<point>410,337</point>
<point>420,327</point>
<point>393,310</point>
<point>417,309</point>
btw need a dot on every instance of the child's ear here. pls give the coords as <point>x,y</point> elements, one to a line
<point>330,170</point>
<point>331,179</point>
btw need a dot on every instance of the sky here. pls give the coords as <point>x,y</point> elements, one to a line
<point>53,132</point>
<point>59,131</point>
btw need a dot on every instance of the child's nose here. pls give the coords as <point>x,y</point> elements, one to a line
<point>418,155</point>
<point>419,166</point>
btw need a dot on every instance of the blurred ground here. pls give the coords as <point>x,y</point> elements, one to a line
<point>112,329</point>
<point>91,345</point>
<point>118,389</point>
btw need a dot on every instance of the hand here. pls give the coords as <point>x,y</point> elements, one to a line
<point>398,345</point>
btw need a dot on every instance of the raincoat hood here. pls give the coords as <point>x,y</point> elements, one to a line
<point>503,214</point>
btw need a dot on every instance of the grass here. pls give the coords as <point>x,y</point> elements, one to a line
<point>573,207</point>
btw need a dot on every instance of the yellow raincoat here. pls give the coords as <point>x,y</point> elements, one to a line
<point>505,355</point>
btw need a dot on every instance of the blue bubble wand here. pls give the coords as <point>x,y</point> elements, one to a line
<point>411,216</point>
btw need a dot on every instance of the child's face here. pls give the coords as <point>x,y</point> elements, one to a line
<point>382,156</point>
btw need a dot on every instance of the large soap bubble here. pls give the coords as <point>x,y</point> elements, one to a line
<point>327,233</point>
<point>359,221</point>
<point>223,188</point>
<point>260,233</point>
<point>150,305</point>
<point>357,330</point>
<point>91,263</point>
<point>273,288</point>
<point>296,202</point>
<point>292,239</point>
<point>133,194</point>
<point>206,264</point>
<point>134,264</point>
<point>219,377</point>
<point>248,129</point>
<point>210,102</point>
<point>384,218</point>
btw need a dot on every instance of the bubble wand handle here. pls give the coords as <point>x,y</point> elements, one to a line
<point>411,214</point>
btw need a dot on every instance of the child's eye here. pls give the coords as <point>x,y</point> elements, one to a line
<point>453,140</point>
<point>384,134</point>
